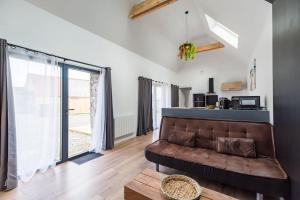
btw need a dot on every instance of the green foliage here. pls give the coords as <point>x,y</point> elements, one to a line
<point>188,51</point>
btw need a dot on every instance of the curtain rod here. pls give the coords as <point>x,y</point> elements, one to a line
<point>159,82</point>
<point>63,58</point>
<point>153,80</point>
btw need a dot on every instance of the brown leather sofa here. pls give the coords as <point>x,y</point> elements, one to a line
<point>262,174</point>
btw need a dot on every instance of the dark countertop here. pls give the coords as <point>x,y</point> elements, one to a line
<point>219,114</point>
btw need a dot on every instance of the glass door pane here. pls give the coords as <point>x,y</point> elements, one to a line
<point>80,111</point>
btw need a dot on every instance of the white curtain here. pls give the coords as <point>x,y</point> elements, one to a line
<point>37,97</point>
<point>161,98</point>
<point>166,95</point>
<point>99,120</point>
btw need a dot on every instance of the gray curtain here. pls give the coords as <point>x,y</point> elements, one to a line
<point>145,117</point>
<point>174,96</point>
<point>8,158</point>
<point>109,136</point>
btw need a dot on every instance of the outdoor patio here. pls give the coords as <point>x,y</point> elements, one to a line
<point>80,134</point>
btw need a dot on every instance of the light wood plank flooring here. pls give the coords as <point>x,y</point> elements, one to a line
<point>102,178</point>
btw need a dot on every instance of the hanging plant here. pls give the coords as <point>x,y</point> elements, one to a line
<point>187,51</point>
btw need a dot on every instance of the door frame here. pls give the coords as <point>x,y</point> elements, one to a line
<point>65,110</point>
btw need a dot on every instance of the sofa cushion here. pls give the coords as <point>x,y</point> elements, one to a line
<point>259,167</point>
<point>236,146</point>
<point>182,138</point>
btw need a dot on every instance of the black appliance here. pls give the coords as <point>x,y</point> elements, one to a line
<point>211,85</point>
<point>224,103</point>
<point>245,102</point>
<point>199,100</point>
<point>211,100</point>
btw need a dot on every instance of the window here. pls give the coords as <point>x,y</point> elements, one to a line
<point>161,98</point>
<point>222,31</point>
<point>157,104</point>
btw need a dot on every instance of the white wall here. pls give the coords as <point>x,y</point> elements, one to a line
<point>214,64</point>
<point>23,24</point>
<point>264,65</point>
<point>223,67</point>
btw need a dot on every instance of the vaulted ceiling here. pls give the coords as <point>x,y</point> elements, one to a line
<point>157,35</point>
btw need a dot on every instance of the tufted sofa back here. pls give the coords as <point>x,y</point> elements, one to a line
<point>207,132</point>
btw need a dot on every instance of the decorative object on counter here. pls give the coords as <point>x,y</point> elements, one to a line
<point>211,89</point>
<point>199,100</point>
<point>211,101</point>
<point>211,106</point>
<point>253,77</point>
<point>224,103</point>
<point>245,102</point>
<point>179,187</point>
<point>233,86</point>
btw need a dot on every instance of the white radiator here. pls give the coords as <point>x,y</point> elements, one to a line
<point>124,125</point>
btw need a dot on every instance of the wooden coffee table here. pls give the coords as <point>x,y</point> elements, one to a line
<point>146,186</point>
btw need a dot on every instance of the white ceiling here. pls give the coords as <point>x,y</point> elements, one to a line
<point>157,36</point>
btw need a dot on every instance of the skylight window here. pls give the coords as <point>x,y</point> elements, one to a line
<point>222,31</point>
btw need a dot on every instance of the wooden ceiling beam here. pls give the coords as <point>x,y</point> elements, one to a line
<point>210,47</point>
<point>147,7</point>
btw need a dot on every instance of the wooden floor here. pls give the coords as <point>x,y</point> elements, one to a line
<point>102,178</point>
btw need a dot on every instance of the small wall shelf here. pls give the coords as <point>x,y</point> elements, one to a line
<point>233,86</point>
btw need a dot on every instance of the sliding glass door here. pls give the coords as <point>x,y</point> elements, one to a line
<point>55,106</point>
<point>81,111</point>
<point>79,105</point>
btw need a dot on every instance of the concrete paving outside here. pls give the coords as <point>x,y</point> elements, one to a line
<point>79,133</point>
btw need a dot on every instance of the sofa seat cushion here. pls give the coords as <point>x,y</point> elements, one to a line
<point>259,167</point>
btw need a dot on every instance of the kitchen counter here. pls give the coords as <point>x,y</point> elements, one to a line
<point>218,114</point>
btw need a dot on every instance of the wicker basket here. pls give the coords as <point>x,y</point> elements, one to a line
<point>179,187</point>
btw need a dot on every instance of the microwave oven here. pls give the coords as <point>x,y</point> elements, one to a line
<point>246,102</point>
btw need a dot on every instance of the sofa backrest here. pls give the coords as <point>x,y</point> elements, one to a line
<point>207,132</point>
